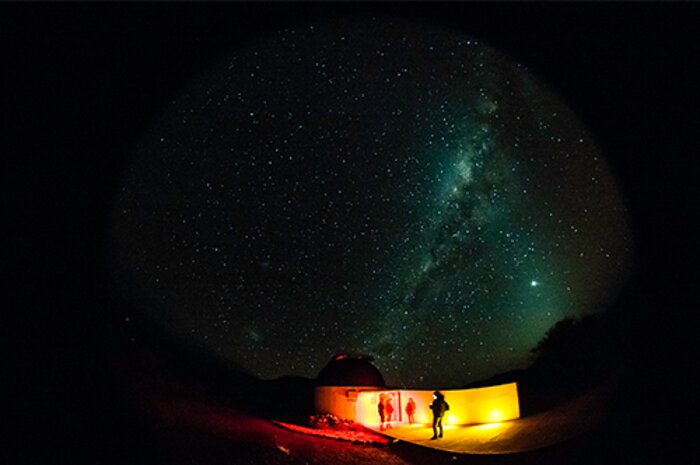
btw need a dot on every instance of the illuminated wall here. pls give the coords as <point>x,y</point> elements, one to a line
<point>483,405</point>
<point>467,406</point>
<point>341,401</point>
<point>367,412</point>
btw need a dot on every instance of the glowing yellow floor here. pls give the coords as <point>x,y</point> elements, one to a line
<point>533,432</point>
<point>481,439</point>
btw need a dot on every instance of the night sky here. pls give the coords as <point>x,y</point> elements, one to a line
<point>377,186</point>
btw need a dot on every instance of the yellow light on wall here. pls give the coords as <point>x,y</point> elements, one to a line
<point>486,405</point>
<point>496,416</point>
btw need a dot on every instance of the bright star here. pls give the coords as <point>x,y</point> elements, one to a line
<point>534,283</point>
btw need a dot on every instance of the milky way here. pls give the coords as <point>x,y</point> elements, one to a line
<point>379,187</point>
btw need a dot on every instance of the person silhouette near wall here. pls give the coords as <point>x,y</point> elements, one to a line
<point>439,407</point>
<point>380,410</point>
<point>389,411</point>
<point>411,410</point>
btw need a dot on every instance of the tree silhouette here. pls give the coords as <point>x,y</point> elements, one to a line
<point>577,353</point>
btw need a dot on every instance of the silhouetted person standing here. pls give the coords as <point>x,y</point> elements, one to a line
<point>411,410</point>
<point>439,407</point>
<point>380,409</point>
<point>389,410</point>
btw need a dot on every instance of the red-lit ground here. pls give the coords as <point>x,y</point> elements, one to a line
<point>224,436</point>
<point>359,436</point>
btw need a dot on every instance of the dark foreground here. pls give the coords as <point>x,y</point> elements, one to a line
<point>193,432</point>
<point>152,414</point>
<point>181,423</point>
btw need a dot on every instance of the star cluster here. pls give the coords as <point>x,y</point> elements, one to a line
<point>382,187</point>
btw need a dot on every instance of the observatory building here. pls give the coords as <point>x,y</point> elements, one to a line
<point>351,387</point>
